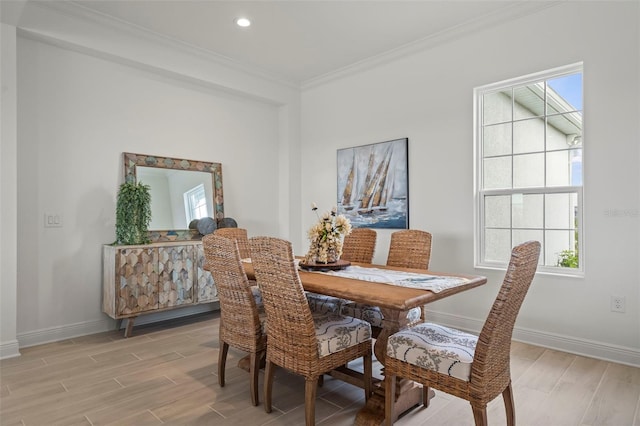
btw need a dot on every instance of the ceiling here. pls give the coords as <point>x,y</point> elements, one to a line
<point>298,41</point>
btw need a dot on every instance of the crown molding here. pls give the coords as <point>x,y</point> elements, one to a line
<point>512,12</point>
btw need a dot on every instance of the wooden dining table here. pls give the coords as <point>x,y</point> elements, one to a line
<point>394,302</point>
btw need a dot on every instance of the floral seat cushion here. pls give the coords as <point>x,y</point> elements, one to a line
<point>336,332</point>
<point>435,347</point>
<point>322,304</point>
<point>372,314</point>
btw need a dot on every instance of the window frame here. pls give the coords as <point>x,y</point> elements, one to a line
<point>480,193</point>
<point>190,207</point>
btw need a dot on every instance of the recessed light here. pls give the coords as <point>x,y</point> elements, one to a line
<point>243,22</point>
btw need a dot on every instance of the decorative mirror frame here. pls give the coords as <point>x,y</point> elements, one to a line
<point>131,160</point>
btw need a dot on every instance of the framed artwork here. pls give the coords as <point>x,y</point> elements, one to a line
<point>373,184</point>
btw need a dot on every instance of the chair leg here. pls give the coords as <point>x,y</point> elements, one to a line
<point>479,415</point>
<point>389,399</point>
<point>425,396</point>
<point>507,395</point>
<point>368,373</point>
<point>268,384</point>
<point>254,371</point>
<point>222,361</point>
<point>321,380</point>
<point>310,386</point>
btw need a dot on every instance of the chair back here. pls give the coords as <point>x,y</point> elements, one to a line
<point>359,245</point>
<point>410,248</point>
<point>238,234</point>
<point>239,320</point>
<point>292,336</point>
<point>492,354</point>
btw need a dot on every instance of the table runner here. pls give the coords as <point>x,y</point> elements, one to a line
<point>434,283</point>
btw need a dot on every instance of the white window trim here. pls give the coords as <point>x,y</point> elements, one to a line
<point>478,204</point>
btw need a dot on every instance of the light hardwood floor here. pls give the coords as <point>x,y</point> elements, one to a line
<point>166,374</point>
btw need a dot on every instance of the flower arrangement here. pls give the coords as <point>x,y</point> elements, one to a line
<point>326,236</point>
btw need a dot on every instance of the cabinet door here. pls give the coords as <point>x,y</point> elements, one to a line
<point>207,291</point>
<point>176,270</point>
<point>136,280</point>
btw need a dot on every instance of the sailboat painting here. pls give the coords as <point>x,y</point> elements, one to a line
<point>373,185</point>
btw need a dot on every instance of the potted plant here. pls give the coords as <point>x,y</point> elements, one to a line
<point>133,214</point>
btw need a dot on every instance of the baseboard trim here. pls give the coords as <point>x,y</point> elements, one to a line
<point>584,347</point>
<point>10,349</point>
<point>55,334</point>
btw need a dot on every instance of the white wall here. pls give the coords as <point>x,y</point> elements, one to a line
<point>427,97</point>
<point>76,116</point>
<point>8,208</point>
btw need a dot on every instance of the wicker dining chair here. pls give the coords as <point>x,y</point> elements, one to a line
<point>358,246</point>
<point>475,368</point>
<point>306,344</point>
<point>240,324</point>
<point>238,234</point>
<point>409,248</point>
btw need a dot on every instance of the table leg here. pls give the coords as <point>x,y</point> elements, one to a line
<point>408,393</point>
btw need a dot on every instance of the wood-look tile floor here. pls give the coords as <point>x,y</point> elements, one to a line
<point>167,374</point>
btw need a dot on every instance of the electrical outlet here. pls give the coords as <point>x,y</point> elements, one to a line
<point>53,220</point>
<point>617,304</point>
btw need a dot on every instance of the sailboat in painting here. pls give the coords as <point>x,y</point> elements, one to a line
<point>375,186</point>
<point>347,194</point>
<point>372,184</point>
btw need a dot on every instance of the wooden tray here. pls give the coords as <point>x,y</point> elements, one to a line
<point>335,266</point>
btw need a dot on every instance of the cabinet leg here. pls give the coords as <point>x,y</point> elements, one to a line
<point>129,330</point>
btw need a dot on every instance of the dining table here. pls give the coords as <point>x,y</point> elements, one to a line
<point>394,301</point>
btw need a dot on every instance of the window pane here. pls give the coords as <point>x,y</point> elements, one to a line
<point>529,101</point>
<point>564,131</point>
<point>497,172</point>
<point>564,93</point>
<point>496,107</point>
<point>522,235</point>
<point>560,245</point>
<point>497,245</point>
<point>497,140</point>
<point>560,210</point>
<point>497,210</point>
<point>527,210</point>
<point>575,167</point>
<point>528,170</point>
<point>558,168</point>
<point>528,136</point>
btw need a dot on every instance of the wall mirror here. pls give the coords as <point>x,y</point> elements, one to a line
<point>181,190</point>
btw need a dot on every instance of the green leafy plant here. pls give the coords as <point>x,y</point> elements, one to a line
<point>568,259</point>
<point>133,214</point>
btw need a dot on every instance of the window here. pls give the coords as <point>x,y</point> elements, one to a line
<point>195,203</point>
<point>528,183</point>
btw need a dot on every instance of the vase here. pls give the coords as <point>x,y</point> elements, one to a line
<point>320,254</point>
<point>332,255</point>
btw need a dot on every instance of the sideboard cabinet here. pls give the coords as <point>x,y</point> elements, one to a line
<point>154,277</point>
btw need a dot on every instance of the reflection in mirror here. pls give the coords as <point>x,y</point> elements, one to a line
<point>181,190</point>
<point>177,196</point>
